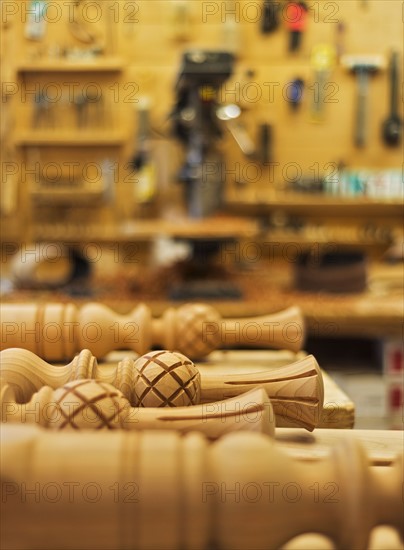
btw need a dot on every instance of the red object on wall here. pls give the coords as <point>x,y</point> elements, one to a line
<point>296,16</point>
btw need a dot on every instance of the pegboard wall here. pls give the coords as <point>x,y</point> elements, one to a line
<point>139,45</point>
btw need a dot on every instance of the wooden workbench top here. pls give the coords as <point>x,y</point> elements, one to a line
<point>267,287</point>
<point>338,411</point>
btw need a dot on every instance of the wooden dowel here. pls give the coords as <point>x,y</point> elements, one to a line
<point>145,490</point>
<point>57,331</point>
<point>162,378</point>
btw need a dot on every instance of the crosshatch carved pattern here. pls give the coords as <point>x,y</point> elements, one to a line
<point>192,320</point>
<point>166,379</point>
<point>92,404</point>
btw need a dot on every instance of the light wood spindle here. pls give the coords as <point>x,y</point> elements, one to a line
<point>145,490</point>
<point>162,378</point>
<point>58,331</point>
<point>93,405</point>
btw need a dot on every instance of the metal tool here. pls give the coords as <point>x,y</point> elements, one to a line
<point>323,60</point>
<point>43,116</point>
<point>362,66</point>
<point>142,162</point>
<point>296,19</point>
<point>392,126</point>
<point>270,16</point>
<point>229,115</point>
<point>295,93</point>
<point>265,153</point>
<point>89,110</point>
<point>340,38</point>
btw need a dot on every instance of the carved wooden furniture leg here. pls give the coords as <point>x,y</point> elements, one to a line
<point>162,378</point>
<point>296,390</point>
<point>58,331</point>
<point>122,490</point>
<point>88,404</point>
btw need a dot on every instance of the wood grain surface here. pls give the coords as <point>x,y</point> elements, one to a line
<point>169,379</point>
<point>267,287</point>
<point>352,497</point>
<point>338,409</point>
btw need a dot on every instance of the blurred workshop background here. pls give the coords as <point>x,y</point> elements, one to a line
<point>244,153</point>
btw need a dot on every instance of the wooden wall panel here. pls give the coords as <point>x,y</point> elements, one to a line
<point>142,35</point>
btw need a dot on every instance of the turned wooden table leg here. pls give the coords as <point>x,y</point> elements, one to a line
<point>119,490</point>
<point>161,378</point>
<point>57,331</point>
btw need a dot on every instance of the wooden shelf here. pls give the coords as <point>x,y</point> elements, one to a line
<point>306,241</point>
<point>71,138</point>
<point>65,196</point>
<point>215,228</point>
<point>307,202</point>
<point>107,64</point>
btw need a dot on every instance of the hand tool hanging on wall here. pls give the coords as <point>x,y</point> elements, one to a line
<point>392,126</point>
<point>265,142</point>
<point>43,112</point>
<point>80,104</point>
<point>142,163</point>
<point>340,39</point>
<point>295,93</point>
<point>362,66</point>
<point>296,20</point>
<point>270,16</point>
<point>89,110</point>
<point>322,61</point>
